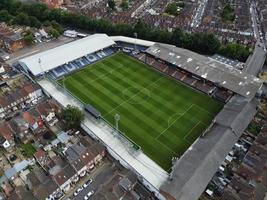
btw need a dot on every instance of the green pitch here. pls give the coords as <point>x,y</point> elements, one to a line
<point>163,116</point>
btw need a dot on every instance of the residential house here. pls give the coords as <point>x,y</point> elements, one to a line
<point>7,188</point>
<point>41,185</point>
<point>61,171</point>
<point>95,148</point>
<point>6,133</point>
<point>34,120</point>
<point>21,129</point>
<point>43,160</point>
<point>19,97</point>
<point>80,158</point>
<point>53,3</point>
<point>12,41</point>
<point>21,193</point>
<point>47,111</point>
<point>65,176</point>
<point>34,92</point>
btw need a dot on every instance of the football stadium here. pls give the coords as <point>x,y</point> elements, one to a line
<point>167,113</point>
<point>159,114</point>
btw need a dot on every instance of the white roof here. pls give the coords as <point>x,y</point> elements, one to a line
<point>132,40</point>
<point>55,57</point>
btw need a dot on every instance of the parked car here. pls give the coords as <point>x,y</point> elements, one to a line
<point>85,185</point>
<point>89,194</point>
<point>78,191</point>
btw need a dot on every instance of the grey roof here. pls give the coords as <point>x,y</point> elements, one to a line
<point>192,172</point>
<point>16,168</point>
<point>63,137</point>
<point>221,74</point>
<point>256,61</point>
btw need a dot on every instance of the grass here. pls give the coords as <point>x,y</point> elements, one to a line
<point>28,150</point>
<point>163,116</point>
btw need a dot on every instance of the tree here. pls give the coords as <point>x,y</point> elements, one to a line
<point>57,27</point>
<point>235,51</point>
<point>34,22</point>
<point>54,33</point>
<point>111,4</point>
<point>73,116</point>
<point>29,39</point>
<point>22,19</point>
<point>124,4</point>
<point>5,16</point>
<point>172,9</point>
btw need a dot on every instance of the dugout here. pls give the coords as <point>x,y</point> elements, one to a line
<point>92,110</point>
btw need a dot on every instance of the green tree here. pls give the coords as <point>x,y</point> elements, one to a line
<point>29,39</point>
<point>235,51</point>
<point>22,19</point>
<point>73,116</point>
<point>54,33</point>
<point>111,4</point>
<point>57,27</point>
<point>124,4</point>
<point>5,16</point>
<point>172,9</point>
<point>34,22</point>
<point>228,14</point>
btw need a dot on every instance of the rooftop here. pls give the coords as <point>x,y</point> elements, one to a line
<point>50,59</point>
<point>219,73</point>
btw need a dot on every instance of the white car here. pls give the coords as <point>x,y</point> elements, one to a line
<point>89,194</point>
<point>78,191</point>
<point>85,185</point>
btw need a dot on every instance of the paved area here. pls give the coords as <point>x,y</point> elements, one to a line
<point>101,171</point>
<point>106,174</point>
<point>38,47</point>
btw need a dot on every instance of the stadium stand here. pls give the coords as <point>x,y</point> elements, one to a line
<point>79,63</point>
<point>69,57</point>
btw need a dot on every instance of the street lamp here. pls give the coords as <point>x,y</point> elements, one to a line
<point>135,35</point>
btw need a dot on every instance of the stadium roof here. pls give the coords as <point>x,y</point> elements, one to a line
<point>219,73</point>
<point>192,172</point>
<point>55,57</point>
<point>132,40</point>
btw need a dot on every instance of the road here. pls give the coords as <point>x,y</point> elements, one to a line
<point>199,13</point>
<point>256,61</point>
<point>104,174</point>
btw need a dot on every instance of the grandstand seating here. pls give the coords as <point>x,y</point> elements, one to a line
<point>185,77</point>
<point>131,46</point>
<point>80,63</point>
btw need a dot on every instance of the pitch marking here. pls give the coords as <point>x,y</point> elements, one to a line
<point>175,120</point>
<point>132,96</point>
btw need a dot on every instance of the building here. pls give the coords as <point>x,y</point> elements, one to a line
<point>21,96</point>
<point>53,3</point>
<point>6,133</point>
<point>48,110</point>
<point>12,41</point>
<point>41,185</point>
<point>57,60</point>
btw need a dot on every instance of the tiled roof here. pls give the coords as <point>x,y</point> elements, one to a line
<point>6,131</point>
<point>64,175</point>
